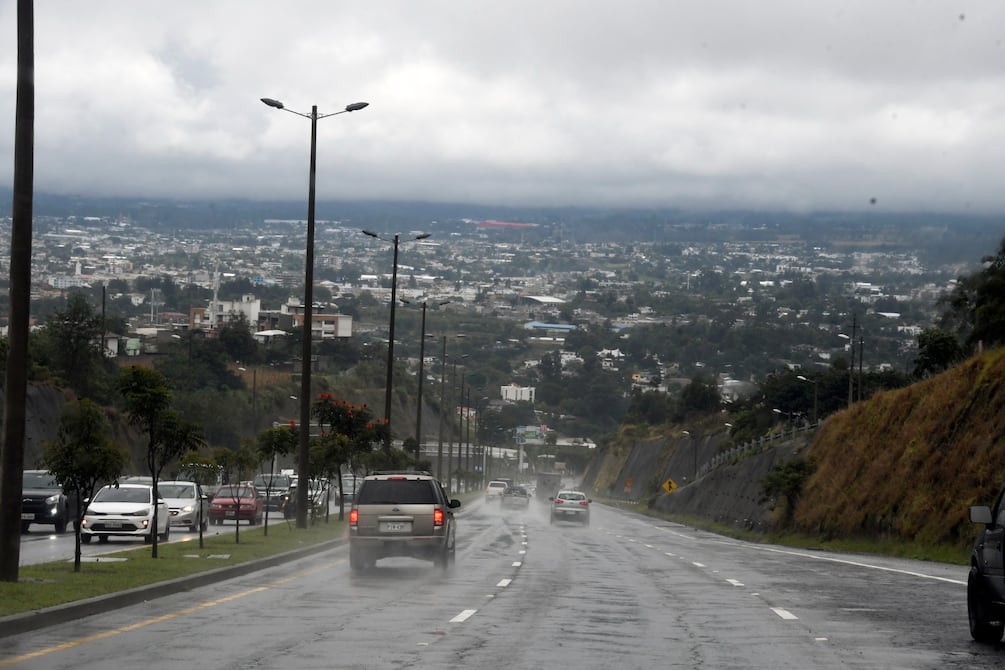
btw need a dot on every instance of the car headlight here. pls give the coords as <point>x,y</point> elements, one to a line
<point>188,508</point>
<point>146,511</point>
<point>52,500</point>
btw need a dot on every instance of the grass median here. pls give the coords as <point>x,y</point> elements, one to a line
<point>50,584</point>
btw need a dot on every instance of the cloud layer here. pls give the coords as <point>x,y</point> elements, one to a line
<point>771,105</point>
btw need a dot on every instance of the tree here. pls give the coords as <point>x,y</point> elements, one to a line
<point>235,464</point>
<point>237,341</point>
<point>81,458</point>
<point>148,401</point>
<point>938,350</point>
<point>271,444</point>
<point>71,345</point>
<point>348,433</point>
<point>975,308</point>
<point>786,480</point>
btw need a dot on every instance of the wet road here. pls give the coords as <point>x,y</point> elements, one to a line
<point>626,592</point>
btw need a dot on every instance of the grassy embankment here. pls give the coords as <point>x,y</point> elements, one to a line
<point>49,584</point>
<point>896,474</point>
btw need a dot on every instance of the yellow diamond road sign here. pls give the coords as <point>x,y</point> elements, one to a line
<point>669,486</point>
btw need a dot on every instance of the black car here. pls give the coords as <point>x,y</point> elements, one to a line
<point>43,502</point>
<point>986,582</point>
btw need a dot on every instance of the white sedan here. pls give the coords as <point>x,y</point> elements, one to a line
<point>126,510</point>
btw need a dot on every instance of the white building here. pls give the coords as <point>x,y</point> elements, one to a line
<point>516,393</point>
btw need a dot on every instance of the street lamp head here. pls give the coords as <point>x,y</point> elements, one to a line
<point>273,103</point>
<point>423,236</point>
<point>356,106</point>
<point>371,233</point>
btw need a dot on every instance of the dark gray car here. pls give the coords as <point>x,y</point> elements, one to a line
<point>43,502</point>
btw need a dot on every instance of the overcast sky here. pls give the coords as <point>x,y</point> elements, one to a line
<point>794,105</point>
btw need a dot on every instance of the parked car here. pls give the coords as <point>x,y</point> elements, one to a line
<point>986,581</point>
<point>494,490</point>
<point>125,510</point>
<point>239,502</point>
<point>187,504</point>
<point>516,497</point>
<point>401,514</point>
<point>43,502</point>
<point>571,506</point>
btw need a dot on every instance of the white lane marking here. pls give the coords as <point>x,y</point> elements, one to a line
<point>517,564</point>
<point>649,546</point>
<point>463,616</point>
<point>735,582</point>
<point>522,552</point>
<point>785,614</point>
<point>669,554</point>
<point>858,564</point>
<point>697,564</point>
<point>503,583</point>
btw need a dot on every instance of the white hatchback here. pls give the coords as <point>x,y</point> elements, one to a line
<point>126,510</point>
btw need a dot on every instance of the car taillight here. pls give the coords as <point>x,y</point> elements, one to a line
<point>353,517</point>
<point>584,503</point>
<point>437,517</point>
<point>559,501</point>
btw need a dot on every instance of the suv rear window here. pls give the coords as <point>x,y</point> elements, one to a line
<point>396,492</point>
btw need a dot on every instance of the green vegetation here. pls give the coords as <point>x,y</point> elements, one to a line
<point>50,584</point>
<point>908,464</point>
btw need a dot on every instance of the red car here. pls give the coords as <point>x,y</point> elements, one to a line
<point>239,502</point>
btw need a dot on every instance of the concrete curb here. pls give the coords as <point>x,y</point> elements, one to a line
<point>16,624</point>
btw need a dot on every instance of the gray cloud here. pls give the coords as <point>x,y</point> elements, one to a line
<point>774,104</point>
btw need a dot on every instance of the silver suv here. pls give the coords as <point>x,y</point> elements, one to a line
<point>401,514</point>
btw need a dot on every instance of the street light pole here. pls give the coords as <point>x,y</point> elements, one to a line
<point>422,358</point>
<point>467,413</point>
<point>439,442</point>
<point>814,382</point>
<point>390,334</point>
<point>303,460</point>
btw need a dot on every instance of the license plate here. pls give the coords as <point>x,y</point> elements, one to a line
<point>231,514</point>
<point>395,526</point>
<point>113,524</point>
<point>27,517</point>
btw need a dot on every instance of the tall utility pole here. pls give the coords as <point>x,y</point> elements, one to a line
<point>439,441</point>
<point>15,399</point>
<point>390,329</point>
<point>851,366</point>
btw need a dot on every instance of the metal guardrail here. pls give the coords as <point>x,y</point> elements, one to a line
<point>755,446</point>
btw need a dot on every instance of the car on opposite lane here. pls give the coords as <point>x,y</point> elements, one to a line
<point>237,502</point>
<point>187,504</point>
<point>570,506</point>
<point>126,510</point>
<point>43,502</point>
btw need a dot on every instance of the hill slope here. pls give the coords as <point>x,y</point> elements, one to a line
<point>905,465</point>
<point>908,464</point>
